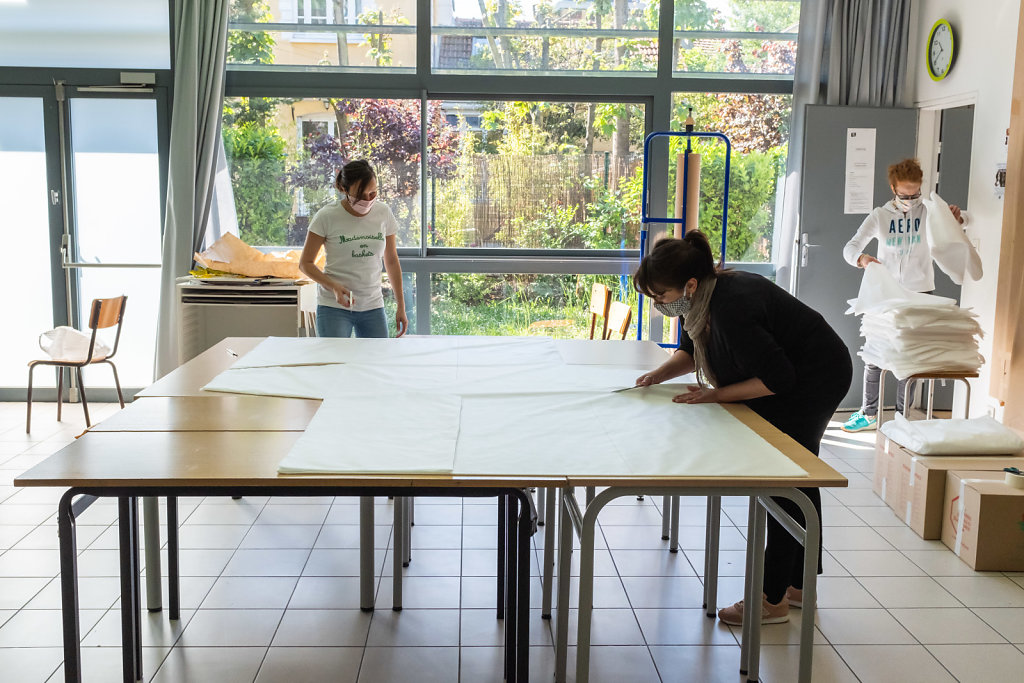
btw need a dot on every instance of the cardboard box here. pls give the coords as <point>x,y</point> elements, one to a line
<point>915,484</point>
<point>983,520</point>
<point>886,482</point>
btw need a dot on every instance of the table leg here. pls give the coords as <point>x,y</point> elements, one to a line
<point>564,578</point>
<point>69,589</point>
<point>812,542</point>
<point>511,605</point>
<point>541,511</point>
<point>748,588</point>
<point>673,543</point>
<point>586,592</point>
<point>754,651</point>
<point>666,513</point>
<point>407,535</point>
<point>151,520</point>
<point>810,535</point>
<point>127,518</point>
<point>502,545</point>
<point>714,529</point>
<point>523,594</point>
<point>366,553</point>
<point>398,553</point>
<point>173,565</point>
<point>549,551</point>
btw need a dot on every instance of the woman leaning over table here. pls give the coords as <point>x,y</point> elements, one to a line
<point>750,342</point>
<point>357,234</point>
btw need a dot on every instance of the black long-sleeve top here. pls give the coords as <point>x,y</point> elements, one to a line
<point>760,330</point>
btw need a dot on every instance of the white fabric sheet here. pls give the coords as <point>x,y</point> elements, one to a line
<point>291,351</point>
<point>878,288</point>
<point>326,381</point>
<point>507,351</point>
<point>662,438</point>
<point>414,433</point>
<point>632,433</point>
<point>976,436</point>
<point>951,250</point>
<point>493,406</point>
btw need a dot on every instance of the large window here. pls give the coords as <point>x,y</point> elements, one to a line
<point>322,34</point>
<point>757,126</point>
<point>739,37</point>
<point>545,36</point>
<point>520,304</point>
<point>510,142</point>
<point>535,175</point>
<point>115,34</point>
<point>283,156</point>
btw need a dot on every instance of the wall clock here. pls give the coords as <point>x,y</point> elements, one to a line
<point>940,50</point>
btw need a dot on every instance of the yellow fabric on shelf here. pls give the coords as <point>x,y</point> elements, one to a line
<point>231,255</point>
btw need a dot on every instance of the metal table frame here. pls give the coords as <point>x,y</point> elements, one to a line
<point>516,517</point>
<point>584,522</point>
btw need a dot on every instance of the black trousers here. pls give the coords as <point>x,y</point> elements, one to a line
<point>804,416</point>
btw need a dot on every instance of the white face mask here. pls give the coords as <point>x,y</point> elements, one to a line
<point>361,206</point>
<point>674,309</point>
<point>907,205</point>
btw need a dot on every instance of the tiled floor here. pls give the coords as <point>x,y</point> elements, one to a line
<point>270,591</point>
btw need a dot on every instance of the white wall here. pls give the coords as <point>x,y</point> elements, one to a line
<point>982,75</point>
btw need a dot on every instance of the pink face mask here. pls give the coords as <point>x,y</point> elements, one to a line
<point>361,206</point>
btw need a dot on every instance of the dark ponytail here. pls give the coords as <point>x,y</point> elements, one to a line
<point>673,262</point>
<point>354,175</point>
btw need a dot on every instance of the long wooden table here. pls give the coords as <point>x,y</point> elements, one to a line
<point>236,452</point>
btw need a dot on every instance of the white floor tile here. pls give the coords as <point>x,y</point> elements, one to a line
<point>908,591</point>
<point>980,663</point>
<point>310,665</point>
<point>946,626</point>
<point>893,663</point>
<point>984,591</point>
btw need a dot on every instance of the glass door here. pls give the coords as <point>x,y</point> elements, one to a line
<point>30,194</point>
<point>112,237</point>
<point>82,182</point>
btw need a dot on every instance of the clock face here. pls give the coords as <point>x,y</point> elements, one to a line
<point>940,50</point>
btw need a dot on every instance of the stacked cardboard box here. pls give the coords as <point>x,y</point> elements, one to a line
<point>914,485</point>
<point>983,520</point>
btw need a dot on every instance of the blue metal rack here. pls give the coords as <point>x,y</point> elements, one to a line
<point>646,218</point>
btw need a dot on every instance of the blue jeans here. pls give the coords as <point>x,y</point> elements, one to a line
<point>339,322</point>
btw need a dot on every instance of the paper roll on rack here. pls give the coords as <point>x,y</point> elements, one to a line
<point>688,167</point>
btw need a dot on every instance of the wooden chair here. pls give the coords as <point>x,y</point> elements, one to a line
<point>105,313</point>
<point>620,315</point>
<point>600,300</point>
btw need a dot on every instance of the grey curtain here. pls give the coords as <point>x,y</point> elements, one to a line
<point>200,50</point>
<point>851,52</point>
<point>868,51</point>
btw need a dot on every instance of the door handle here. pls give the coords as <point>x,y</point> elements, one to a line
<point>805,248</point>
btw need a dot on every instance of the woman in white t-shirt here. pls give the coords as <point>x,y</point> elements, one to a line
<point>357,234</point>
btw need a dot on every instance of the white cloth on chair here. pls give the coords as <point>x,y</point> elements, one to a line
<point>68,344</point>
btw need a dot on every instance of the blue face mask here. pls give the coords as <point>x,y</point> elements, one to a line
<point>675,309</point>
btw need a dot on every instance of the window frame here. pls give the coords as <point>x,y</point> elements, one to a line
<point>654,90</point>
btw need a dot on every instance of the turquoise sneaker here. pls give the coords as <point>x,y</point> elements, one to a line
<point>859,422</point>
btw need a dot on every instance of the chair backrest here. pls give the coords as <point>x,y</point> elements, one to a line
<point>619,317</point>
<point>600,300</point>
<point>106,313</point>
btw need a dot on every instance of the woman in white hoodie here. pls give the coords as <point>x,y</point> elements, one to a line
<point>899,226</point>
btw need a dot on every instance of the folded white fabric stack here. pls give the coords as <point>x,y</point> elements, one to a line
<point>909,333</point>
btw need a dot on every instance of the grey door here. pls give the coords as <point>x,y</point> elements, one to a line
<point>824,280</point>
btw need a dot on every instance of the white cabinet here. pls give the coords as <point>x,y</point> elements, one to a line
<point>208,312</point>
